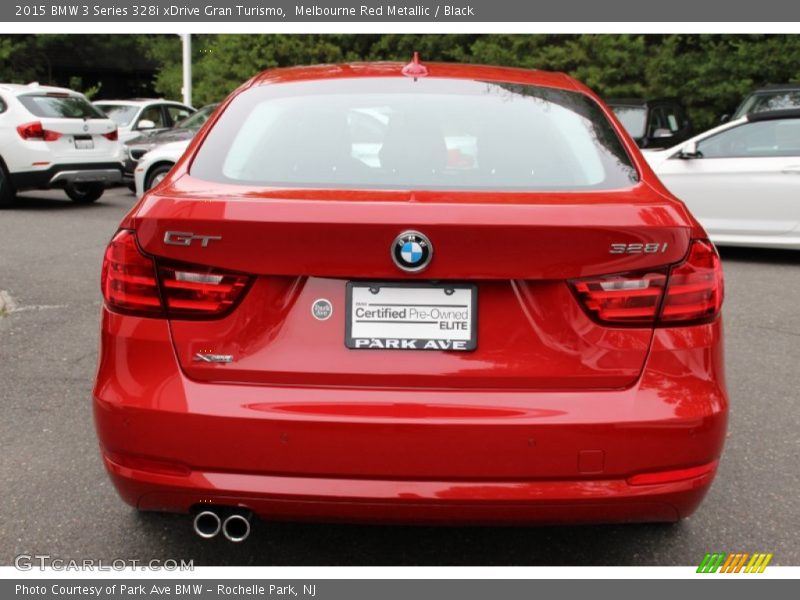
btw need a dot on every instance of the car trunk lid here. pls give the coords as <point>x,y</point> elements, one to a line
<point>517,250</point>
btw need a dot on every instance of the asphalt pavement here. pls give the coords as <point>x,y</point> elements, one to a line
<point>55,497</point>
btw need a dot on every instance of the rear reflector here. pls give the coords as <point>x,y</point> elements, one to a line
<point>130,285</point>
<point>35,131</point>
<point>671,476</point>
<point>139,463</point>
<point>689,293</point>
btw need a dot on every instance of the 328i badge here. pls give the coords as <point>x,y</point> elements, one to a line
<point>557,360</point>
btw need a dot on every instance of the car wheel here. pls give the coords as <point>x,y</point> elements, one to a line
<point>7,193</point>
<point>156,176</point>
<point>132,187</point>
<point>84,193</point>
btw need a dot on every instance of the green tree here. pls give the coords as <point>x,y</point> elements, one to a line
<point>709,73</point>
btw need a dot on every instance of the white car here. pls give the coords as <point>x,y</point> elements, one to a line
<point>53,137</point>
<point>155,165</point>
<point>741,179</point>
<point>142,116</point>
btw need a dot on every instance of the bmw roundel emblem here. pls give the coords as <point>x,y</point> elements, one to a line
<point>412,251</point>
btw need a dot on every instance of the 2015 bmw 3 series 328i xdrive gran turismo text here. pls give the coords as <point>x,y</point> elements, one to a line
<point>431,293</point>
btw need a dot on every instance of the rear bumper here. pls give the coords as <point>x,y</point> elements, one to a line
<point>391,501</point>
<point>414,455</point>
<point>62,174</point>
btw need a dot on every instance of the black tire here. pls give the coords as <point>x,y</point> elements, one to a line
<point>84,193</point>
<point>131,186</point>
<point>8,195</point>
<point>155,175</point>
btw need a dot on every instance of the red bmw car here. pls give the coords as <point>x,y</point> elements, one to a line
<point>431,293</point>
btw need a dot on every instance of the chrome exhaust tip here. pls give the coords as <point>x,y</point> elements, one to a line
<point>236,527</point>
<point>207,524</point>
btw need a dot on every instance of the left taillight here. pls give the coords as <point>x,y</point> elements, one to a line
<point>35,131</point>
<point>192,291</point>
<point>128,278</point>
<point>112,136</point>
<point>132,283</point>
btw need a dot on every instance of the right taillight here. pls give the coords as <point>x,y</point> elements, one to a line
<point>624,299</point>
<point>696,287</point>
<point>689,293</point>
<point>133,284</point>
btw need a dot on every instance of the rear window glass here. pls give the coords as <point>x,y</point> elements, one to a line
<point>60,107</point>
<point>198,119</point>
<point>765,102</point>
<point>633,119</point>
<point>425,134</point>
<point>121,114</point>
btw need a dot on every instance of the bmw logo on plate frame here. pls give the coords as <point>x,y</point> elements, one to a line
<point>412,251</point>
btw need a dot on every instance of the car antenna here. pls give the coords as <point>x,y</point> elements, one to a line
<point>415,68</point>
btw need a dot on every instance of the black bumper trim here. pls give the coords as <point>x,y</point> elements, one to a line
<point>28,180</point>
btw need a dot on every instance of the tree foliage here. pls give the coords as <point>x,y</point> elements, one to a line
<point>709,73</point>
<point>56,59</point>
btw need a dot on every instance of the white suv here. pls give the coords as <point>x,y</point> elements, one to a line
<point>140,116</point>
<point>53,137</point>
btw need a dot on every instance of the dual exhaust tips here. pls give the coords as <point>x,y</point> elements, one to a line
<point>235,527</point>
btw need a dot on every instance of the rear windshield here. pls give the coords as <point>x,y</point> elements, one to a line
<point>633,119</point>
<point>121,114</point>
<point>425,134</point>
<point>198,119</point>
<point>60,107</point>
<point>765,102</point>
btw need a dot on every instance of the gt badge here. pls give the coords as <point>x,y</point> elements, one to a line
<point>185,238</point>
<point>412,251</point>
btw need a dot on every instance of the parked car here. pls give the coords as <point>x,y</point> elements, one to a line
<point>153,166</point>
<point>653,124</point>
<point>771,97</point>
<point>52,137</point>
<point>185,129</point>
<point>526,330</point>
<point>741,179</point>
<point>143,115</point>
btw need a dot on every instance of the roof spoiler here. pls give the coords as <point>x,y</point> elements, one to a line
<point>769,115</point>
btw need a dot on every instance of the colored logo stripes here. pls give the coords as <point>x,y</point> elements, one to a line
<point>734,563</point>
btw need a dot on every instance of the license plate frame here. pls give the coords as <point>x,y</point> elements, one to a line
<point>83,143</point>
<point>465,298</point>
